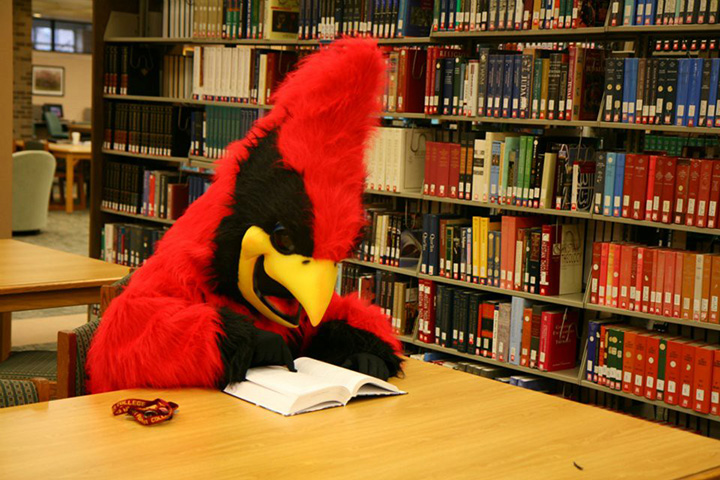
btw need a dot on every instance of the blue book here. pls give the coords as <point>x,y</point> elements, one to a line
<point>608,198</point>
<point>425,244</point>
<point>444,107</point>
<point>626,91</point>
<point>650,12</point>
<point>682,91</point>
<point>518,305</point>
<point>593,334</point>
<point>517,70</point>
<point>693,109</point>
<point>632,94</point>
<point>490,105</point>
<point>639,12</point>
<point>712,99</point>
<point>507,87</point>
<point>433,244</point>
<point>496,160</point>
<point>619,180</point>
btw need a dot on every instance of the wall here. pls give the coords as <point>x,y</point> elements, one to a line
<point>6,118</point>
<point>22,57</point>
<point>78,82</point>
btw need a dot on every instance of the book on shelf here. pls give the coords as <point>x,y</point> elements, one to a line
<point>686,92</point>
<point>128,244</point>
<point>396,160</point>
<point>663,12</point>
<point>215,127</point>
<point>314,386</point>
<point>119,76</point>
<point>661,281</point>
<point>656,366</point>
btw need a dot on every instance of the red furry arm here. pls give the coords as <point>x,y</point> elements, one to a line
<point>147,341</point>
<point>350,327</point>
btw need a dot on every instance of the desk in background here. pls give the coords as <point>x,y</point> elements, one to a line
<point>33,277</point>
<point>450,425</point>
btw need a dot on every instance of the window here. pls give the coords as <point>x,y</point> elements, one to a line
<point>61,36</point>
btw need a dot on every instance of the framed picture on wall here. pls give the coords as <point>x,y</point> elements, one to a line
<point>48,80</point>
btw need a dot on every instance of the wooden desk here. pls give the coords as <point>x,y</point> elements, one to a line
<point>33,277</point>
<point>451,425</point>
<point>82,127</point>
<point>73,154</point>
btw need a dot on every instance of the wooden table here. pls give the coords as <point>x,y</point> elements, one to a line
<point>33,277</point>
<point>73,154</point>
<point>82,127</point>
<point>450,425</point>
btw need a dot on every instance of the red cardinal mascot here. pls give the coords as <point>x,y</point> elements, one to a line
<point>245,277</point>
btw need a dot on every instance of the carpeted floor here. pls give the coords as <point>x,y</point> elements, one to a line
<point>66,232</point>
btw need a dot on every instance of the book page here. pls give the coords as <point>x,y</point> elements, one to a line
<point>356,383</point>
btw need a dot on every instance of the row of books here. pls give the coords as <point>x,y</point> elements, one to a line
<point>395,295</point>
<point>128,244</point>
<point>119,78</point>
<point>683,191</point>
<point>534,83</point>
<point>177,74</point>
<point>656,366</point>
<point>511,169</point>
<point>239,73</point>
<point>661,281</point>
<point>673,145</point>
<point>381,242</point>
<point>177,18</point>
<point>662,91</point>
<point>517,332</point>
<point>663,12</point>
<point>139,190</point>
<point>328,19</point>
<point>146,129</point>
<point>481,15</point>
<point>213,129</point>
<point>396,160</point>
<point>513,253</point>
<point>685,45</point>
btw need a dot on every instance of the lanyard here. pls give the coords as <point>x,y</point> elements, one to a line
<point>146,412</point>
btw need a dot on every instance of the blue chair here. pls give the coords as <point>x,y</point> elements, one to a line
<point>55,128</point>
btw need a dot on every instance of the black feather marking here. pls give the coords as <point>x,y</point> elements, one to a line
<point>266,193</point>
<point>336,341</point>
<point>236,346</point>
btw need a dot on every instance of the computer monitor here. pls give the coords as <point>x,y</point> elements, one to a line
<point>55,108</point>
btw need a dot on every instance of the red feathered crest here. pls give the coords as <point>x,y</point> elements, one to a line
<point>326,111</point>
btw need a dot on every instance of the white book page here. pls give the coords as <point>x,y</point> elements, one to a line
<point>356,383</point>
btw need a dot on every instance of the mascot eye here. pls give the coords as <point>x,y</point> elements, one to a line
<point>281,240</point>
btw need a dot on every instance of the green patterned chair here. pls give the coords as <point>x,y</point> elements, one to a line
<point>73,346</point>
<point>23,392</point>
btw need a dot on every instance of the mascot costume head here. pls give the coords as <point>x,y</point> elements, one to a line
<point>245,277</point>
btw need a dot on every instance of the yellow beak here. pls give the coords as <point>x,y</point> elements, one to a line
<point>310,281</point>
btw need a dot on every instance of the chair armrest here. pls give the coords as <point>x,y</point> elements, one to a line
<point>42,385</point>
<point>67,363</point>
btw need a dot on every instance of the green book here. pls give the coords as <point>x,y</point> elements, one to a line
<point>529,150</point>
<point>507,173</point>
<point>520,174</point>
<point>536,88</point>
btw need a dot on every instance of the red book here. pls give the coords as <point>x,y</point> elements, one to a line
<point>658,187</point>
<point>703,379</point>
<point>647,275</point>
<point>429,78</point>
<point>639,365</point>
<point>657,282</point>
<point>681,190</point>
<point>652,347</point>
<point>715,394</point>
<point>602,278</point>
<point>454,171</point>
<point>639,277</point>
<point>687,374</point>
<point>672,370</point>
<point>633,278</point>
<point>558,340</point>
<point>428,185</point>
<point>640,184</point>
<point>550,260</point>
<point>626,252</point>
<point>628,182</point>
<point>613,275</point>
<point>678,284</point>
<point>486,332</point>
<point>650,189</point>
<point>668,189</point>
<point>602,355</point>
<point>526,337</point>
<point>693,189</point>
<point>410,90</point>
<point>668,288</point>
<point>430,291</point>
<point>595,273</point>
<point>706,170</point>
<point>442,169</point>
<point>714,196</point>
<point>629,357</point>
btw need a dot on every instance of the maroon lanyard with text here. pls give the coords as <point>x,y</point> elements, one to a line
<point>146,412</point>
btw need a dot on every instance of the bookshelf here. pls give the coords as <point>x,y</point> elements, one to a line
<point>639,35</point>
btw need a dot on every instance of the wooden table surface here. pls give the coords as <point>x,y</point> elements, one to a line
<point>29,268</point>
<point>450,425</point>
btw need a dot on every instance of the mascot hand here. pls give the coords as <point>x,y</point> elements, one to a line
<point>271,349</point>
<point>368,364</point>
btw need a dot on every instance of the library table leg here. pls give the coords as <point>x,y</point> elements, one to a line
<point>5,335</point>
<point>69,181</point>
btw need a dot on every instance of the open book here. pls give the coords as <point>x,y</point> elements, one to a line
<point>315,385</point>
